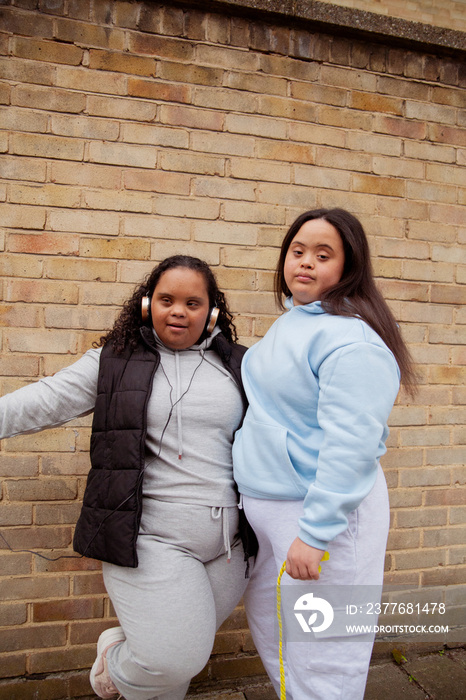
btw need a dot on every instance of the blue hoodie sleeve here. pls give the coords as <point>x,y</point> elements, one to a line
<point>358,384</point>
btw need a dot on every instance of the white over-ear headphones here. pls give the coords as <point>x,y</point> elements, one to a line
<point>210,325</point>
<point>146,315</point>
<point>145,309</point>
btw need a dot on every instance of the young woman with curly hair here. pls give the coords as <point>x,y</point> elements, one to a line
<point>160,507</point>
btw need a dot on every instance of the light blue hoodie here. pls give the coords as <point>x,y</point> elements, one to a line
<point>320,390</point>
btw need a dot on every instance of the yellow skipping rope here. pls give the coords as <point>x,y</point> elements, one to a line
<point>326,557</point>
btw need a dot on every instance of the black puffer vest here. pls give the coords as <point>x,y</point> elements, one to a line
<point>108,525</point>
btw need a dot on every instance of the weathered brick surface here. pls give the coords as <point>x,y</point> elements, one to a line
<point>130,131</point>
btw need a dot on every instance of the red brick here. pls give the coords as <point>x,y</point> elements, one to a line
<point>40,489</point>
<point>121,62</point>
<point>57,7</point>
<point>62,660</point>
<point>376,103</point>
<point>161,47</point>
<point>103,12</point>
<point>198,75</point>
<point>79,9</point>
<point>390,187</point>
<point>124,155</point>
<point>45,146</point>
<point>5,98</point>
<point>444,576</point>
<point>191,117</point>
<point>4,39</point>
<point>86,174</point>
<point>14,563</point>
<point>85,127</point>
<point>13,614</point>
<point>50,688</point>
<point>126,14</point>
<point>13,665</point>
<point>239,31</point>
<point>19,465</point>
<point>444,537</point>
<point>89,35</point>
<point>57,100</point>
<point>273,106</point>
<point>13,168</point>
<point>69,609</point>
<point>307,45</point>
<point>15,514</point>
<point>446,134</point>
<point>37,587</point>
<point>40,291</point>
<point>400,127</point>
<point>447,96</point>
<point>237,620</point>
<point>158,181</point>
<point>49,51</point>
<point>18,366</point>
<point>87,632</point>
<point>120,248</point>
<point>88,584</point>
<point>228,642</point>
<point>69,561</point>
<point>85,81</point>
<point>453,496</point>
<point>288,152</point>
<point>319,93</point>
<point>48,243</point>
<point>150,20</point>
<point>157,90</point>
<point>26,23</point>
<point>61,514</point>
<point>79,685</point>
<point>238,667</point>
<point>36,538</point>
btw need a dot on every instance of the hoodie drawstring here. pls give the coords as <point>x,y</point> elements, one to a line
<point>177,403</point>
<point>221,512</point>
<point>178,407</point>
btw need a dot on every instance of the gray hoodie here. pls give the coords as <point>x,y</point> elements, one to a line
<point>192,415</point>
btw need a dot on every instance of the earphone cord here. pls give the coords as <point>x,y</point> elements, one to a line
<point>133,493</point>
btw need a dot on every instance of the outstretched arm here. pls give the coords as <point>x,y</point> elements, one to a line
<point>51,401</point>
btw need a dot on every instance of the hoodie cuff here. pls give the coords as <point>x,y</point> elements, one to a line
<point>312,541</point>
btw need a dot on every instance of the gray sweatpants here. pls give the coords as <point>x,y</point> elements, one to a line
<point>171,605</point>
<point>317,670</point>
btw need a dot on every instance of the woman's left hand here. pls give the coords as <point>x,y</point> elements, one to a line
<point>302,561</point>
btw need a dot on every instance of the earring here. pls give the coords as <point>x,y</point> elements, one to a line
<point>214,314</point>
<point>145,309</point>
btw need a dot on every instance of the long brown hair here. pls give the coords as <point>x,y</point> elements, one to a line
<point>126,329</point>
<point>356,293</point>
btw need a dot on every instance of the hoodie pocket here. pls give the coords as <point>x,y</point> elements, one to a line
<point>262,462</point>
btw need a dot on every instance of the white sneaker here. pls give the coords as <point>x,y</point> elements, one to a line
<point>101,682</point>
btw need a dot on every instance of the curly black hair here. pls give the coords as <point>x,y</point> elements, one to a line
<point>126,329</point>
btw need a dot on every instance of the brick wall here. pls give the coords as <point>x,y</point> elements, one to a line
<point>132,130</point>
<point>439,13</point>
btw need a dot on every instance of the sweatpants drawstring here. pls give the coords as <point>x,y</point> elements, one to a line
<point>218,512</point>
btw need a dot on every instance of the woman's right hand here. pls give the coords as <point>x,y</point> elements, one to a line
<point>302,561</point>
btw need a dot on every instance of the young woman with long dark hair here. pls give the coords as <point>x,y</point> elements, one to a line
<point>321,385</point>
